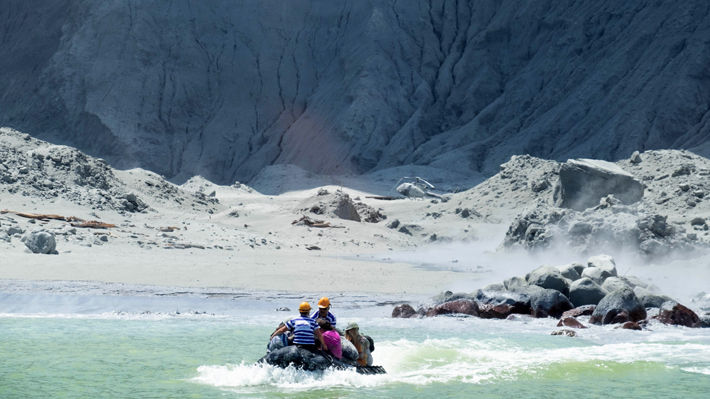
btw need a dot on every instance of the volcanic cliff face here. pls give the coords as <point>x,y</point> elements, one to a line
<point>223,88</point>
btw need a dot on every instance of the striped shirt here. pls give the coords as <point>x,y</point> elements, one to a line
<point>303,328</point>
<point>330,317</point>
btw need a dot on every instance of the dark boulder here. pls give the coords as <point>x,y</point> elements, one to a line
<point>403,311</point>
<point>548,277</point>
<point>570,322</point>
<point>461,306</point>
<point>585,310</point>
<point>705,321</point>
<point>618,307</point>
<point>675,314</point>
<point>518,303</point>
<point>546,302</point>
<point>586,292</point>
<point>496,311</point>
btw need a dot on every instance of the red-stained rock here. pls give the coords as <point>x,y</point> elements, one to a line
<point>621,317</point>
<point>495,311</point>
<point>585,310</point>
<point>462,306</point>
<point>678,315</point>
<point>403,311</point>
<point>629,325</point>
<point>570,322</point>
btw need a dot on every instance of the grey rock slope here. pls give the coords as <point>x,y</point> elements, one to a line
<point>224,88</point>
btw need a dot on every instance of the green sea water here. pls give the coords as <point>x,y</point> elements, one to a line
<point>115,356</point>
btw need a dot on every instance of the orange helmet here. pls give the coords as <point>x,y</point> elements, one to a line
<point>304,307</point>
<point>324,302</point>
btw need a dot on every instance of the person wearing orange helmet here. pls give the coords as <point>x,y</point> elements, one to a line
<point>323,312</point>
<point>305,330</point>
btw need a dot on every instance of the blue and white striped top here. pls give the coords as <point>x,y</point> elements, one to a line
<point>303,328</point>
<point>330,317</point>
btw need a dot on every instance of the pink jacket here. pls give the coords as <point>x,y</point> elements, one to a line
<point>332,339</point>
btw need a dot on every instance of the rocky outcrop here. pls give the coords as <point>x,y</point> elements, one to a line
<point>583,182</point>
<point>618,307</point>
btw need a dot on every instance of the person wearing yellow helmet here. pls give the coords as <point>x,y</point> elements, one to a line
<point>323,312</point>
<point>305,330</point>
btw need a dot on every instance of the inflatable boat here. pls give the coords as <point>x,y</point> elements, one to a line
<point>307,360</point>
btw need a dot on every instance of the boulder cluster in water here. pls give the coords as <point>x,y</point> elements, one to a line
<point>566,292</point>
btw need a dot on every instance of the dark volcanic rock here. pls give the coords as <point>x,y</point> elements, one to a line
<point>618,306</point>
<point>403,311</point>
<point>546,302</point>
<point>676,314</point>
<point>461,306</point>
<point>586,292</point>
<point>518,303</point>
<point>586,310</point>
<point>496,311</point>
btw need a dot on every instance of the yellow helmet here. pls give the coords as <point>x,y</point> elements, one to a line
<point>324,302</point>
<point>304,307</point>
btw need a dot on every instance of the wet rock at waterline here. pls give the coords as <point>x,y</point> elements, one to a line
<point>403,311</point>
<point>676,314</point>
<point>461,306</point>
<point>570,322</point>
<point>618,307</point>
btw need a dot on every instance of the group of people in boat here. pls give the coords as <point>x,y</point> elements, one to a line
<point>317,331</point>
